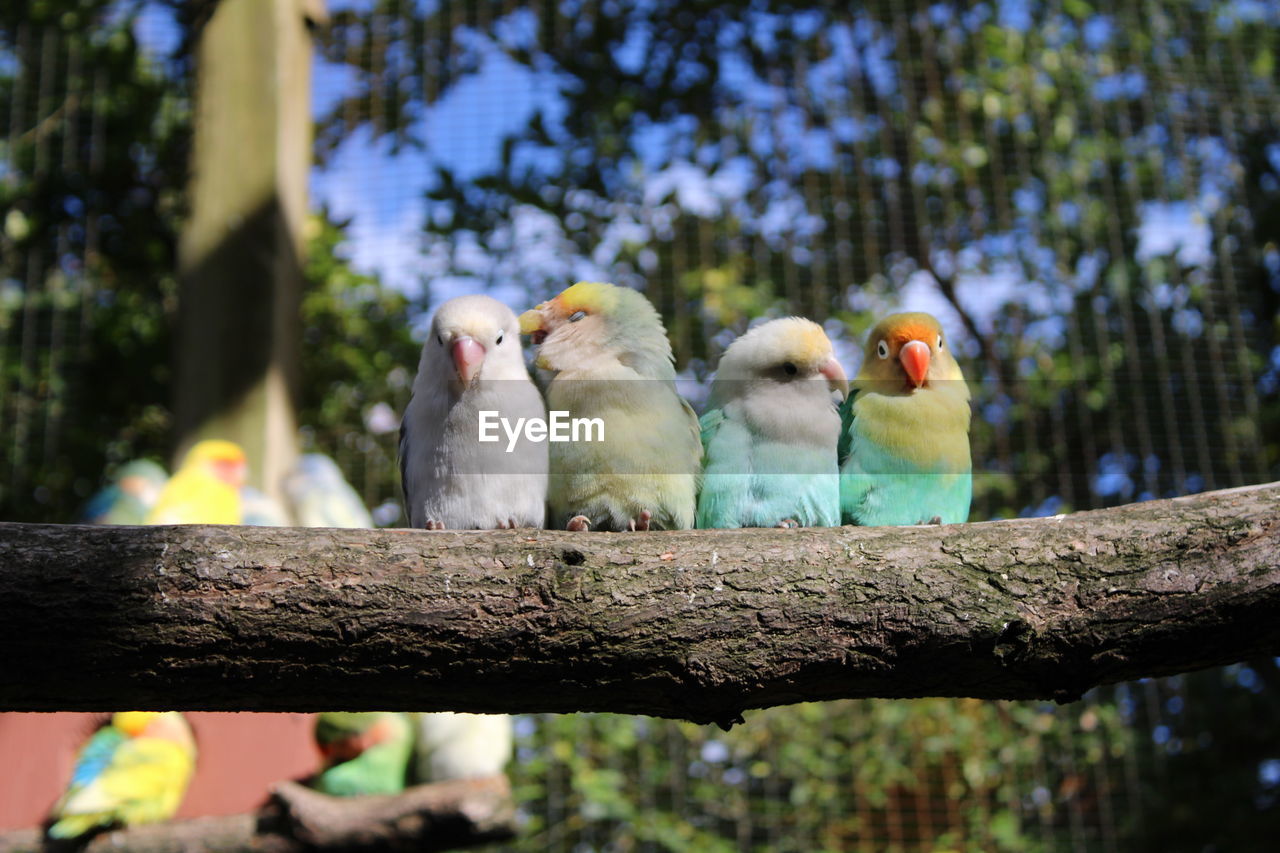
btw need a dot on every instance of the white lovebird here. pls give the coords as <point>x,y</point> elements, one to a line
<point>471,364</point>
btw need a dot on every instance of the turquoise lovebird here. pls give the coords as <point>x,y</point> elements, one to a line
<point>613,365</point>
<point>769,435</point>
<point>904,441</point>
<point>365,752</point>
<point>134,770</point>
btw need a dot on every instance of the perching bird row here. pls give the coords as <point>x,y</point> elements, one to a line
<point>784,442</point>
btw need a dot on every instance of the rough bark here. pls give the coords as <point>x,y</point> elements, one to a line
<point>439,816</point>
<point>700,625</point>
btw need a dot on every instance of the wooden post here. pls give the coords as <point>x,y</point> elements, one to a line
<point>240,258</point>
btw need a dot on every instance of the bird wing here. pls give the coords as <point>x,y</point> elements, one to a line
<point>845,442</point>
<point>695,428</point>
<point>726,475</point>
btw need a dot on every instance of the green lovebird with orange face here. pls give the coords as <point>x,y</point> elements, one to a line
<point>612,362</point>
<point>904,442</point>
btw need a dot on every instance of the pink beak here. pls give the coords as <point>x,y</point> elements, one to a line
<point>914,356</point>
<point>468,355</point>
<point>835,376</point>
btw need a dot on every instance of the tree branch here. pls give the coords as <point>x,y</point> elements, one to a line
<point>699,625</point>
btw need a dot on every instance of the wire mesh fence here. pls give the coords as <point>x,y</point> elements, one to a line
<point>1087,197</point>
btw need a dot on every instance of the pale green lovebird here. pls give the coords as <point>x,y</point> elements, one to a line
<point>365,752</point>
<point>904,443</point>
<point>612,361</point>
<point>770,433</point>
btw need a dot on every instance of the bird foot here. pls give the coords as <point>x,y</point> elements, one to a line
<point>642,522</point>
<point>432,524</point>
<point>506,524</point>
<point>937,519</point>
<point>788,523</point>
<point>579,523</point>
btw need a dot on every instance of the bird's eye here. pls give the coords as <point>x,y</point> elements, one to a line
<point>576,316</point>
<point>882,349</point>
<point>789,368</point>
<point>499,340</point>
<point>939,341</point>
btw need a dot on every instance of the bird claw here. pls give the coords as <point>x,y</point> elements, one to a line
<point>506,524</point>
<point>788,523</point>
<point>641,523</point>
<point>937,519</point>
<point>579,523</point>
<point>432,524</point>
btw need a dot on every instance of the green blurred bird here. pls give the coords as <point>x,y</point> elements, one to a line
<point>365,752</point>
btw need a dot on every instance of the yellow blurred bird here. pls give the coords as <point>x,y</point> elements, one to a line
<point>206,489</point>
<point>134,770</point>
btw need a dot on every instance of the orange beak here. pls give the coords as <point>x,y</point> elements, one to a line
<point>914,356</point>
<point>468,355</point>
<point>835,376</point>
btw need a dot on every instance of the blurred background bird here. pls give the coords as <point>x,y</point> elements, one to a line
<point>206,487</point>
<point>471,362</point>
<point>129,497</point>
<point>904,442</point>
<point>132,771</point>
<point>364,752</point>
<point>320,496</point>
<point>769,435</point>
<point>461,746</point>
<point>611,359</point>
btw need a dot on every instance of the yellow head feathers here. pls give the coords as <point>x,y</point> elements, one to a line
<point>593,297</point>
<point>133,723</point>
<point>785,348</point>
<point>166,725</point>
<point>593,322</point>
<point>589,297</point>
<point>214,451</point>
